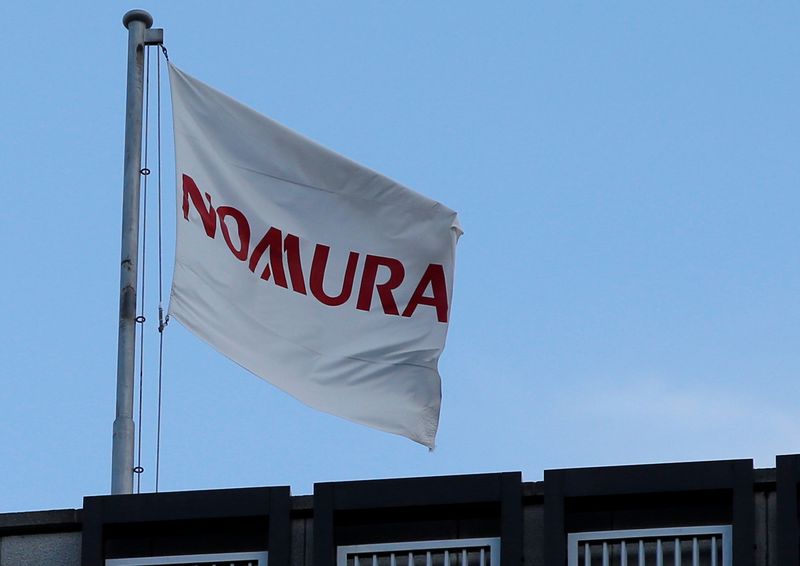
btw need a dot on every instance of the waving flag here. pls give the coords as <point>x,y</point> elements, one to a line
<point>319,275</point>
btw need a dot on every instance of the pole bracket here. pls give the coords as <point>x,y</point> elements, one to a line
<point>154,36</point>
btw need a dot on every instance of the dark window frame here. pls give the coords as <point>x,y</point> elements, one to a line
<point>502,489</point>
<point>101,513</point>
<point>735,476</point>
<point>787,534</point>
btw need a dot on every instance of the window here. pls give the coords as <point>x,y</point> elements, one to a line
<point>454,552</point>
<point>682,546</point>
<point>227,559</point>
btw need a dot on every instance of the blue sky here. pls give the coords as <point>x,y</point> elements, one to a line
<point>626,290</point>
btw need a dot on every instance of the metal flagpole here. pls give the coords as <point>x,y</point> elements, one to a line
<point>138,23</point>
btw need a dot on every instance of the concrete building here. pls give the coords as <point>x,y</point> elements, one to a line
<point>721,513</point>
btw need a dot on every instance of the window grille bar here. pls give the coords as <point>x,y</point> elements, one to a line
<point>453,552</point>
<point>670,546</point>
<point>215,559</point>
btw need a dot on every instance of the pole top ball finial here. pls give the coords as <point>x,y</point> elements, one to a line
<point>137,16</point>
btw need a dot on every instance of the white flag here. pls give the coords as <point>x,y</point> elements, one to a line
<point>327,279</point>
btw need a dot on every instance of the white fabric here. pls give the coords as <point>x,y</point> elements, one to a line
<point>375,365</point>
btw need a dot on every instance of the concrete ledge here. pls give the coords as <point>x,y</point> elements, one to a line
<point>33,522</point>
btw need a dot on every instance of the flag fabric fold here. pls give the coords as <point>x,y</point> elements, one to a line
<point>315,273</point>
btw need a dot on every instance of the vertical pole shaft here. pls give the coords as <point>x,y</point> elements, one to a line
<point>137,22</point>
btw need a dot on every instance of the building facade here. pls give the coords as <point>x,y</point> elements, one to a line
<point>721,513</point>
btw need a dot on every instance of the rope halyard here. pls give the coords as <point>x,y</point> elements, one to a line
<point>140,319</point>
<point>162,320</point>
